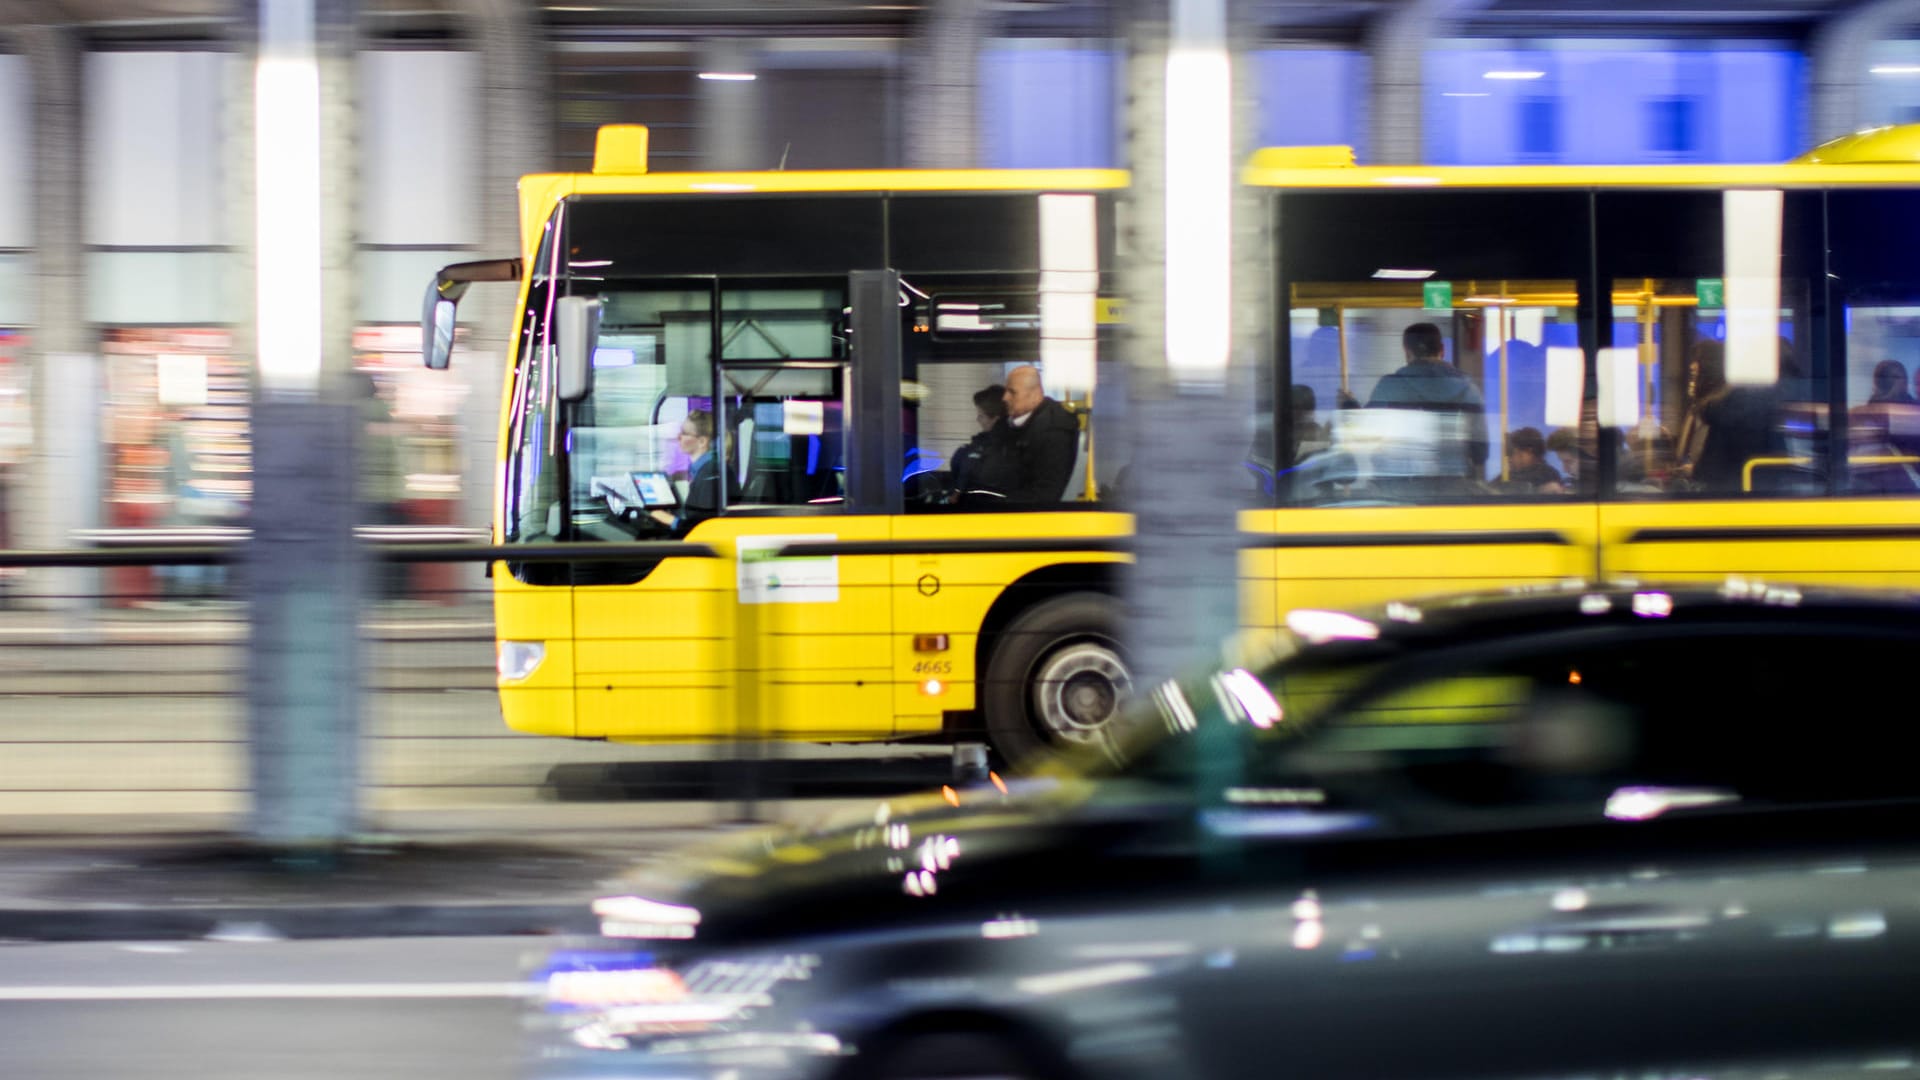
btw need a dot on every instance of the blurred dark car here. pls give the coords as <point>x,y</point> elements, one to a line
<point>1582,832</point>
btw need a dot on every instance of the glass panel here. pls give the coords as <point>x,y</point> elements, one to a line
<point>986,426</point>
<point>1400,390</point>
<point>1047,104</point>
<point>533,469</point>
<point>1612,102</point>
<point>166,287</point>
<point>1427,331</point>
<point>639,448</point>
<point>783,430</point>
<point>1722,386</point>
<point>784,321</point>
<point>1878,291</point>
<point>1313,97</point>
<point>390,284</point>
<point>16,289</point>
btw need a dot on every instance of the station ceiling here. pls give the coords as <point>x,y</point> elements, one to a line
<point>1310,19</point>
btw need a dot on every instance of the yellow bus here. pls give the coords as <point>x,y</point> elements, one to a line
<point>781,360</point>
<point>1721,358</point>
<point>750,393</point>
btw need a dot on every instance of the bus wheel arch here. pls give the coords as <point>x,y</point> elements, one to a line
<point>1051,664</point>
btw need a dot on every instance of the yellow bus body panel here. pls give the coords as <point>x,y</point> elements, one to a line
<point>1332,557</point>
<point>1849,555</point>
<point>542,703</point>
<point>951,594</point>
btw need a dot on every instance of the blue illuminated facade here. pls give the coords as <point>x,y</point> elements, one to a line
<point>1052,105</point>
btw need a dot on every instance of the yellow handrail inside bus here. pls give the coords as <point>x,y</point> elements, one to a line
<point>1746,474</point>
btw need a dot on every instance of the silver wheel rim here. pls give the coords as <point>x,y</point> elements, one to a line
<point>1078,689</point>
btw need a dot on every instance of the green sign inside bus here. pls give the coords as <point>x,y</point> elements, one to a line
<point>1437,296</point>
<point>1711,291</point>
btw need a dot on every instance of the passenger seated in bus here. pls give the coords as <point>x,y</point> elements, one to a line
<point>969,462</point>
<point>1309,435</point>
<point>1428,383</point>
<point>1042,441</point>
<point>702,498</point>
<point>1527,468</point>
<point>1889,423</point>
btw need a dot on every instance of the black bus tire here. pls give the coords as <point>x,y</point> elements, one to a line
<point>1071,644</point>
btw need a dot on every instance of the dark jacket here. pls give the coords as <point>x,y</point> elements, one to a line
<point>1740,427</point>
<point>1031,463</point>
<point>1438,387</point>
<point>703,494</point>
<point>969,462</point>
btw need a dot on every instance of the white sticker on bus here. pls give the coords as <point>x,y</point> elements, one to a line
<point>767,578</point>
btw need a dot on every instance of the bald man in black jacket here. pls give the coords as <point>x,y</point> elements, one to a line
<point>1038,443</point>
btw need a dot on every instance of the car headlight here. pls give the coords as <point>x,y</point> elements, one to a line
<point>638,917</point>
<point>516,660</point>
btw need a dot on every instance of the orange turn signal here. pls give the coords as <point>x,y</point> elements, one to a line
<point>929,643</point>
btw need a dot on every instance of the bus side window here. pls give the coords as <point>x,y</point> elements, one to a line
<point>1878,289</point>
<point>1722,394</point>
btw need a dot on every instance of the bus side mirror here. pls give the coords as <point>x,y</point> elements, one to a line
<point>437,315</point>
<point>436,330</point>
<point>578,328</point>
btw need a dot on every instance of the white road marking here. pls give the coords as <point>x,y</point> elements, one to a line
<point>272,991</point>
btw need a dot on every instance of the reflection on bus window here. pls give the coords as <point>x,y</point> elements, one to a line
<point>1404,394</point>
<point>1700,431</point>
<point>1883,379</point>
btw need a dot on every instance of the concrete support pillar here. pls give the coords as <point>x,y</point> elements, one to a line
<point>64,489</point>
<point>514,136</point>
<point>1396,53</point>
<point>730,112</point>
<point>943,85</point>
<point>1182,594</point>
<point>1838,61</point>
<point>304,579</point>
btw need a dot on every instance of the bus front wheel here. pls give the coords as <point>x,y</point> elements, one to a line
<point>1057,676</point>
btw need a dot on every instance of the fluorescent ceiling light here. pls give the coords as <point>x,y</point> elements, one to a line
<point>1515,76</point>
<point>1466,93</point>
<point>1403,275</point>
<point>728,76</point>
<point>1895,69</point>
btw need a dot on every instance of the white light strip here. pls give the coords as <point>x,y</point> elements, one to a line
<point>1894,69</point>
<point>1402,275</point>
<point>1752,247</point>
<point>1515,76</point>
<point>286,124</point>
<point>1618,378</point>
<point>728,76</point>
<point>1566,385</point>
<point>1069,279</point>
<point>1199,192</point>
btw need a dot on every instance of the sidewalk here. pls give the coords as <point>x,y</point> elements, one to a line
<point>183,886</point>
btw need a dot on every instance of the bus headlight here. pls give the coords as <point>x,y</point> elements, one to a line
<point>517,659</point>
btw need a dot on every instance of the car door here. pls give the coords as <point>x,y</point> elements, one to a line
<point>1593,855</point>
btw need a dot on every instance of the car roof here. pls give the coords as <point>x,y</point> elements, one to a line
<point>1441,621</point>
